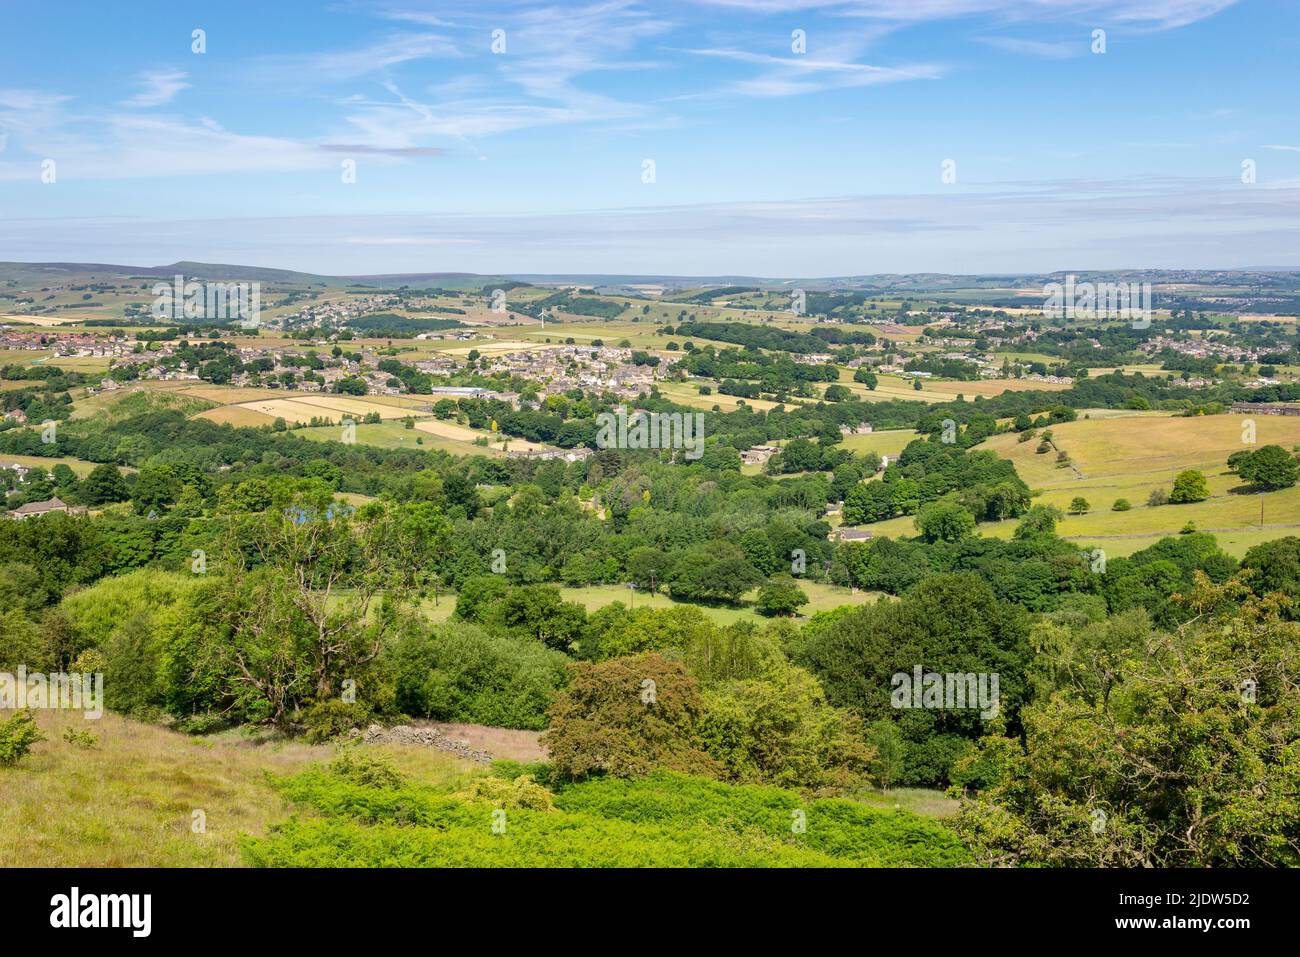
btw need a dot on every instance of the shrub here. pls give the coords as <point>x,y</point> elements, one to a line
<point>517,792</point>
<point>1121,505</point>
<point>627,717</point>
<point>1158,497</point>
<point>669,820</point>
<point>366,770</point>
<point>333,717</point>
<point>780,730</point>
<point>616,632</point>
<point>80,739</point>
<point>17,735</point>
<point>458,672</point>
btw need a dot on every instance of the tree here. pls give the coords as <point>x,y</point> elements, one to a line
<point>458,672</point>
<point>1187,760</point>
<point>1079,505</point>
<point>626,717</point>
<point>944,521</point>
<point>155,490</point>
<point>476,596</point>
<point>616,631</point>
<point>1275,567</point>
<point>538,612</point>
<point>946,624</point>
<point>780,595</point>
<point>312,594</point>
<point>779,729</point>
<point>1270,468</point>
<point>1039,520</point>
<point>866,377</point>
<point>1189,486</point>
<point>889,761</point>
<point>104,485</point>
<point>838,393</point>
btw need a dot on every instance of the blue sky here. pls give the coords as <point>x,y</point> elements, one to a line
<point>767,160</point>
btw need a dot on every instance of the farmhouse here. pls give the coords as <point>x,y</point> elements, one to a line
<point>37,509</point>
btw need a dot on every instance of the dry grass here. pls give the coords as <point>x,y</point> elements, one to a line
<point>130,801</point>
<point>236,415</point>
<point>504,743</point>
<point>461,433</point>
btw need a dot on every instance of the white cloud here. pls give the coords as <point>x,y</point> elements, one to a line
<point>1048,50</point>
<point>1155,14</point>
<point>157,88</point>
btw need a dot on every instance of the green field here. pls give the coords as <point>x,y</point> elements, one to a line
<point>1129,458</point>
<point>889,442</point>
<point>821,597</point>
<point>79,466</point>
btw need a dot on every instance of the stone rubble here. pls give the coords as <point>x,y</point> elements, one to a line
<point>427,737</point>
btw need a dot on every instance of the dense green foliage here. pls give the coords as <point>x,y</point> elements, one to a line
<point>664,820</point>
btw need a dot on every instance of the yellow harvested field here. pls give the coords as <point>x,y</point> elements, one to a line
<point>1142,450</point>
<point>350,406</point>
<point>41,320</point>
<point>304,408</point>
<point>461,433</point>
<point>496,347</point>
<point>236,415</point>
<point>230,395</point>
<point>414,403</point>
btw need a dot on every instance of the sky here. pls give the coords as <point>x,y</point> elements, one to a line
<point>779,138</point>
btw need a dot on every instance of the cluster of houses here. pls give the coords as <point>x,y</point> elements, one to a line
<point>1202,348</point>
<point>590,368</point>
<point>1265,408</point>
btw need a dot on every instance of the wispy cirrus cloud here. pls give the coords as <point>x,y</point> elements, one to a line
<point>157,88</point>
<point>1153,14</point>
<point>552,52</point>
<point>333,66</point>
<point>834,67</point>
<point>1046,49</point>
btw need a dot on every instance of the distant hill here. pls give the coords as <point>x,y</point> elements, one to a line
<point>1235,279</point>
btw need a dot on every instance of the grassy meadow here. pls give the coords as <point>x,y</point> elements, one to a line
<point>1129,457</point>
